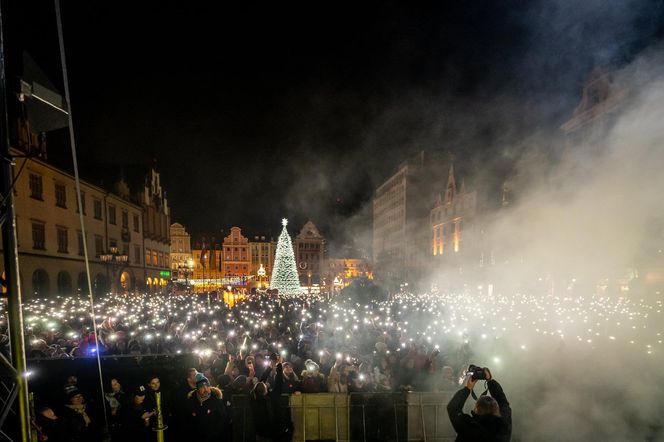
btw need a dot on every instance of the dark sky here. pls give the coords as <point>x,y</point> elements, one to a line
<point>261,111</point>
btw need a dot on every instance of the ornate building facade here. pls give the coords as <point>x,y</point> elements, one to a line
<point>50,238</point>
<point>182,261</point>
<point>207,252</point>
<point>262,250</point>
<point>156,230</point>
<point>237,257</point>
<point>310,253</point>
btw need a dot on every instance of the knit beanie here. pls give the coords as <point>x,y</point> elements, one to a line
<point>201,380</point>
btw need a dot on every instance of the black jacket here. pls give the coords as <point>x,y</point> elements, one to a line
<point>74,428</point>
<point>133,427</point>
<point>53,428</point>
<point>207,420</point>
<point>481,428</point>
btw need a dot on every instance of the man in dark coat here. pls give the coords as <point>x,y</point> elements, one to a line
<point>135,418</point>
<point>79,422</point>
<point>491,419</point>
<point>206,413</point>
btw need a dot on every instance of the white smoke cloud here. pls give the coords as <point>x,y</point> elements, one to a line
<point>595,214</point>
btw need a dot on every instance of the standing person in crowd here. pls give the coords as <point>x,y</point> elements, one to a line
<point>491,420</point>
<point>447,380</point>
<point>135,418</point>
<point>206,413</point>
<point>79,423</point>
<point>291,381</point>
<point>337,382</point>
<point>179,401</point>
<point>313,381</point>
<point>116,400</point>
<point>271,416</point>
<point>163,407</point>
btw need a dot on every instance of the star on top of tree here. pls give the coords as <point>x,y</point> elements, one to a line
<point>284,222</point>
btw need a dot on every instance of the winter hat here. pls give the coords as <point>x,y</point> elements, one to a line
<point>201,380</point>
<point>71,391</point>
<point>140,391</point>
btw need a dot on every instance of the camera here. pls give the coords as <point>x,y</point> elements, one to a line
<point>476,373</point>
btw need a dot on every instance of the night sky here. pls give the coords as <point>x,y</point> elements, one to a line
<point>257,112</point>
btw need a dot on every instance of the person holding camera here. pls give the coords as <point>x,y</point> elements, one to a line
<point>491,418</point>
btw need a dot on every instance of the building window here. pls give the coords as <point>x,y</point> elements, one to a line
<point>137,254</point>
<point>36,187</point>
<point>148,257</point>
<point>60,195</point>
<point>97,206</point>
<point>111,214</point>
<point>38,236</point>
<point>154,258</point>
<point>125,219</point>
<point>63,240</point>
<point>112,242</point>
<point>136,223</point>
<point>99,245</point>
<point>81,250</point>
<point>82,202</point>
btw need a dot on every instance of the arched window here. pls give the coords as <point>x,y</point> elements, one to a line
<point>82,283</point>
<point>100,286</point>
<point>64,284</point>
<point>40,283</point>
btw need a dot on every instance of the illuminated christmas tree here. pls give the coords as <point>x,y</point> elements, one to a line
<point>284,273</point>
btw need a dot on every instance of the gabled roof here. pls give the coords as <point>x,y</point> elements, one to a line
<point>309,231</point>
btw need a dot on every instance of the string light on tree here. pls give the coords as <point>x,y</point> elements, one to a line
<point>284,273</point>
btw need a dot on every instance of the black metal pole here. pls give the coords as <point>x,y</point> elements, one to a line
<point>10,246</point>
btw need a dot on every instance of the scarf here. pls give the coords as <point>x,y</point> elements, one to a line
<point>80,409</point>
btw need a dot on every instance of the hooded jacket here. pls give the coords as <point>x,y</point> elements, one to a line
<point>207,420</point>
<point>484,428</point>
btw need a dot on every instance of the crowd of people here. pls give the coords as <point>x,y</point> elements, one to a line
<point>302,345</point>
<point>335,347</point>
<point>260,346</point>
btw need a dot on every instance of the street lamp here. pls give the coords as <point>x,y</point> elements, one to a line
<point>261,277</point>
<point>115,260</point>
